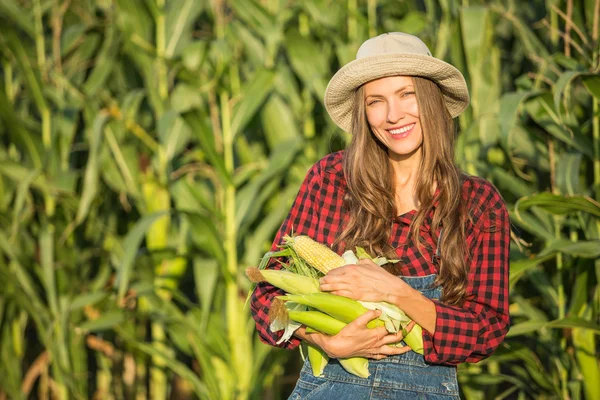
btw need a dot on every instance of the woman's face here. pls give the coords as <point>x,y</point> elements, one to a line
<point>393,114</point>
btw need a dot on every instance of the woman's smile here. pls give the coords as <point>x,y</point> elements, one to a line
<point>401,132</point>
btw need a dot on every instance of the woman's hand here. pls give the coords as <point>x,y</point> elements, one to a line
<point>365,281</point>
<point>356,340</point>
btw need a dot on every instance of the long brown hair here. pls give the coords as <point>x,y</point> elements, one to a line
<point>369,200</point>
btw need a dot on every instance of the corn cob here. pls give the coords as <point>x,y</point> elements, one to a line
<point>358,366</point>
<point>414,339</point>
<point>339,307</point>
<point>318,321</point>
<point>317,358</point>
<point>286,280</point>
<point>322,322</point>
<point>316,254</point>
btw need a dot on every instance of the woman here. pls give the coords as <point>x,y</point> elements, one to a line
<point>396,191</point>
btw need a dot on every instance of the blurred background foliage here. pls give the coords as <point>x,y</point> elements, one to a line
<point>150,149</point>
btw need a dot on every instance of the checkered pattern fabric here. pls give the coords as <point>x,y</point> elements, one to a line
<point>463,334</point>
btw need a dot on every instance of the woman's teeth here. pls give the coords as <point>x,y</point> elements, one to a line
<point>401,130</point>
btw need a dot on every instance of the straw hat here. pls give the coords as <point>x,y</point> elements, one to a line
<point>390,54</point>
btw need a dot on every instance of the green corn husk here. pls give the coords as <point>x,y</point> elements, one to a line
<point>318,321</point>
<point>358,366</point>
<point>286,280</point>
<point>339,307</point>
<point>324,323</point>
<point>344,309</point>
<point>414,339</point>
<point>317,358</point>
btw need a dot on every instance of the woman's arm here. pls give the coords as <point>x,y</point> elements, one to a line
<point>451,334</point>
<point>472,332</point>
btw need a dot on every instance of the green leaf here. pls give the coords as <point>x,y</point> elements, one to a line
<point>557,204</point>
<point>541,109</point>
<point>585,346</point>
<point>562,86</point>
<point>29,143</point>
<point>510,183</point>
<point>582,248</point>
<point>574,322</point>
<point>46,243</point>
<point>13,12</point>
<point>91,177</point>
<point>174,134</point>
<point>131,244</point>
<point>275,115</point>
<point>526,327</point>
<point>592,84</point>
<point>194,197</point>
<point>87,299</point>
<point>32,77</point>
<point>194,54</point>
<point>176,366</point>
<point>261,237</point>
<point>104,62</point>
<point>205,236</point>
<point>509,112</point>
<point>314,71</point>
<point>567,173</point>
<point>120,164</point>
<point>18,173</point>
<point>532,224</point>
<point>247,202</point>
<point>206,274</point>
<point>256,91</point>
<point>255,16</point>
<point>108,320</point>
<point>199,127</point>
<point>520,267</point>
<point>185,98</point>
<point>180,17</point>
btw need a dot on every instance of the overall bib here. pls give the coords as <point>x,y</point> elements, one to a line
<point>404,376</point>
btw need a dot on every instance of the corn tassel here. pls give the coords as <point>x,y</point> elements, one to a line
<point>322,322</point>
<point>317,358</point>
<point>314,253</point>
<point>339,307</point>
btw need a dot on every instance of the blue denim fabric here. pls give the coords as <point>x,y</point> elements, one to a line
<point>405,376</point>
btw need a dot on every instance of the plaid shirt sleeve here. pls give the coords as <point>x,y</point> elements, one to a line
<point>302,219</point>
<point>472,332</point>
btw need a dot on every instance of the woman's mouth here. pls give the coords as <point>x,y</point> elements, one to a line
<point>401,132</point>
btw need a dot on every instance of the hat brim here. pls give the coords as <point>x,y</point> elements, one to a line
<point>339,95</point>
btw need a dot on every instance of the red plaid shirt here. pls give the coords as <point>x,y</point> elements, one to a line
<point>463,334</point>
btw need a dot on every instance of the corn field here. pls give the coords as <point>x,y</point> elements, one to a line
<point>150,149</point>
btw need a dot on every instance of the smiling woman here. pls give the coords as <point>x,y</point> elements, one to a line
<point>393,115</point>
<point>396,191</point>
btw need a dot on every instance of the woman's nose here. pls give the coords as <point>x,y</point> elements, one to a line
<point>395,113</point>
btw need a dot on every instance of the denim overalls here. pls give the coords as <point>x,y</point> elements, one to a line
<point>403,376</point>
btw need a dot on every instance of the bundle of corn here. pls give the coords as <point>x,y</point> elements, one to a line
<point>304,304</point>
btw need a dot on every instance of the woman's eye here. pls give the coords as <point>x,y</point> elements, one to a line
<point>373,102</point>
<point>405,94</point>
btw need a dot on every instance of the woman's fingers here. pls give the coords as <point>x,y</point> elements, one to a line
<point>398,336</point>
<point>391,350</point>
<point>331,287</point>
<point>391,338</point>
